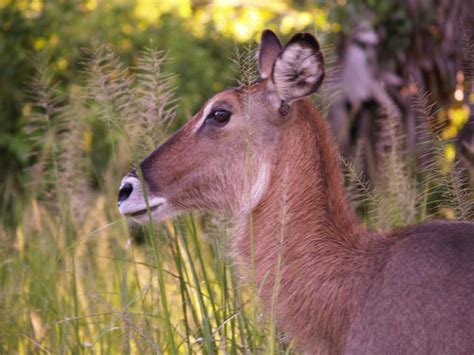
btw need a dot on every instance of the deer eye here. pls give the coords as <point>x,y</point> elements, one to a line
<point>219,116</point>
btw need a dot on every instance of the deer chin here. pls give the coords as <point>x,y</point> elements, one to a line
<point>158,209</point>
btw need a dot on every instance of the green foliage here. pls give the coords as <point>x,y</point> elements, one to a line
<point>64,29</point>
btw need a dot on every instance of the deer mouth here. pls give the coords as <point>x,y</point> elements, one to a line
<point>133,203</point>
<point>143,211</point>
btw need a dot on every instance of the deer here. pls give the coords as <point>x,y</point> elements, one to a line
<point>263,149</point>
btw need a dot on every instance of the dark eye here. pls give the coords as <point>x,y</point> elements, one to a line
<point>219,116</point>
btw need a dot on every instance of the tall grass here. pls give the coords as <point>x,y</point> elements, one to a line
<point>410,187</point>
<point>73,279</point>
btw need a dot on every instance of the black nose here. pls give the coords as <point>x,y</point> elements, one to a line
<point>125,192</point>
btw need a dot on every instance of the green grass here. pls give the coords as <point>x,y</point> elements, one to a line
<point>86,287</point>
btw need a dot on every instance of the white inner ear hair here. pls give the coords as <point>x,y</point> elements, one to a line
<point>296,72</point>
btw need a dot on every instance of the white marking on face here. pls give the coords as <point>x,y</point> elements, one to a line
<point>162,211</point>
<point>205,112</point>
<point>260,185</point>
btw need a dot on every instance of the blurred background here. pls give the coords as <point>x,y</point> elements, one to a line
<point>398,95</point>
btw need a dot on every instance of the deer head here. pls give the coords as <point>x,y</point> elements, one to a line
<point>221,160</point>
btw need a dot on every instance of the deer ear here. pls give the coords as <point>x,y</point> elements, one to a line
<point>299,69</point>
<point>268,51</point>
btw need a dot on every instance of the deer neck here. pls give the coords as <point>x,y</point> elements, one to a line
<point>302,237</point>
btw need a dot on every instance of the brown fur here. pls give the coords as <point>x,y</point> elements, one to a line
<point>321,238</point>
<point>342,288</point>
